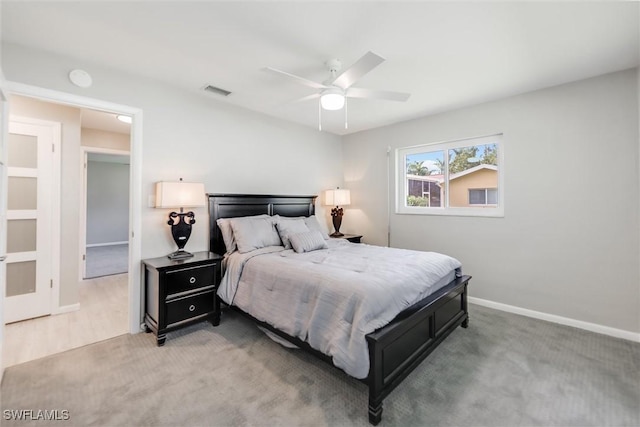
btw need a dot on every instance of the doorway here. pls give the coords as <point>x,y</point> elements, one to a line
<point>105,212</point>
<point>128,285</point>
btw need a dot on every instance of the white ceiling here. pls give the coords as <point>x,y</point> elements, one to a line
<point>93,119</point>
<point>446,54</point>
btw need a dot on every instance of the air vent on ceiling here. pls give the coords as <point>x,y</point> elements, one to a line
<point>217,90</point>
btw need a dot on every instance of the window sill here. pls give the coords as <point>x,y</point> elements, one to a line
<point>478,212</point>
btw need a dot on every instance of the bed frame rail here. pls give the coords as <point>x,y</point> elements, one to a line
<point>396,349</point>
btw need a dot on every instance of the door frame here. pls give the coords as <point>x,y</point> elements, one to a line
<point>135,184</point>
<point>56,130</point>
<point>4,133</point>
<point>84,154</point>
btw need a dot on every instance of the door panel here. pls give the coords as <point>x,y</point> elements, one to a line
<point>21,278</point>
<point>22,192</point>
<point>21,235</point>
<point>29,219</point>
<point>22,151</point>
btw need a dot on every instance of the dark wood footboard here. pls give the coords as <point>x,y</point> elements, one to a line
<point>398,348</point>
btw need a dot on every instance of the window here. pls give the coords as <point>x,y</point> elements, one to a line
<point>483,196</point>
<point>452,178</point>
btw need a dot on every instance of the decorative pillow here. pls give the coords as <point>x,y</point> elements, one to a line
<point>307,242</point>
<point>313,224</point>
<point>253,233</point>
<point>227,233</point>
<point>288,226</point>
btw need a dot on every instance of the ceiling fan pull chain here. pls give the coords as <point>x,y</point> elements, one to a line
<point>346,126</point>
<point>319,116</point>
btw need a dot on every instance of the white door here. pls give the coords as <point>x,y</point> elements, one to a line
<point>30,187</point>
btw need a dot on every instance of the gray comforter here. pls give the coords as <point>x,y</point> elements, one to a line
<point>332,298</point>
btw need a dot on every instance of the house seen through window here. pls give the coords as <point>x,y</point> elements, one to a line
<point>455,178</point>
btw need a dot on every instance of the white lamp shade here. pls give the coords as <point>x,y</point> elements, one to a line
<point>179,194</point>
<point>332,101</point>
<point>338,197</point>
<point>332,98</point>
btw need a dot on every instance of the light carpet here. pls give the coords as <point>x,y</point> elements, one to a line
<point>106,260</point>
<point>504,370</point>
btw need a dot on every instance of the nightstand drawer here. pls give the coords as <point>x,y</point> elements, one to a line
<point>189,278</point>
<point>189,307</point>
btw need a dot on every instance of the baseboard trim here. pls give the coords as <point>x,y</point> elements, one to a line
<point>95,245</point>
<point>593,327</point>
<point>66,308</point>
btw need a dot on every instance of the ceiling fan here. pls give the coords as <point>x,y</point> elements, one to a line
<point>334,91</point>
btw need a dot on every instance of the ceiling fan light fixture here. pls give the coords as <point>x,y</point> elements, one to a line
<point>124,119</point>
<point>332,99</point>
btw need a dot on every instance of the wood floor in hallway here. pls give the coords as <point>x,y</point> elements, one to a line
<point>103,314</point>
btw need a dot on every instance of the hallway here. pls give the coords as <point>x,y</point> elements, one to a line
<point>102,315</point>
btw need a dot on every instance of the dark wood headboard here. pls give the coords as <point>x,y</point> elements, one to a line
<point>235,205</point>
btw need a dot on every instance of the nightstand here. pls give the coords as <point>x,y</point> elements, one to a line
<point>181,292</point>
<point>353,238</point>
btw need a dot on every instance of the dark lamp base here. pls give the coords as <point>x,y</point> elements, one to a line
<point>181,230</point>
<point>336,216</point>
<point>180,254</point>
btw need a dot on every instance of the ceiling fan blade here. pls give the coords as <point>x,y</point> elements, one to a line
<point>299,79</point>
<point>357,92</point>
<point>305,98</point>
<point>354,73</point>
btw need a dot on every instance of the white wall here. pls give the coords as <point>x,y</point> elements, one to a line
<point>196,137</point>
<point>105,139</point>
<point>569,242</point>
<point>107,202</point>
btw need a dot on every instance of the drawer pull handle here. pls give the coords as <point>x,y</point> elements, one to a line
<point>192,280</point>
<point>192,307</point>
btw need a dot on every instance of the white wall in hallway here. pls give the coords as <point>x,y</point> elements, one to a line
<point>107,202</point>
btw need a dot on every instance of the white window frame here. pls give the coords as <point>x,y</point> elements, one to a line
<point>481,210</point>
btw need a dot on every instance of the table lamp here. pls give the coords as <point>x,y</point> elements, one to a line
<point>180,195</point>
<point>338,197</point>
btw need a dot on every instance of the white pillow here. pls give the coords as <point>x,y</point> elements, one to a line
<point>227,233</point>
<point>307,242</point>
<point>254,233</point>
<point>313,224</point>
<point>288,226</point>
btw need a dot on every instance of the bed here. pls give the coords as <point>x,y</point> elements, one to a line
<point>394,349</point>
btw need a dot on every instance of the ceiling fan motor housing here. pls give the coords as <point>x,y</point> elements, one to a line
<point>334,65</point>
